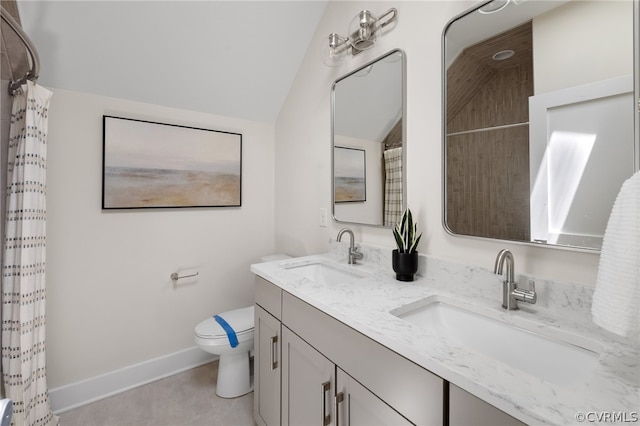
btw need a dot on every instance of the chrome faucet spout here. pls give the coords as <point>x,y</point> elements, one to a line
<point>505,256</point>
<point>511,294</point>
<point>354,254</point>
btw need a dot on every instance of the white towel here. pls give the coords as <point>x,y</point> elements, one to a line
<point>616,300</point>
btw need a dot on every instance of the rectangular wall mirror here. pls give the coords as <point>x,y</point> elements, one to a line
<point>539,119</point>
<point>368,107</point>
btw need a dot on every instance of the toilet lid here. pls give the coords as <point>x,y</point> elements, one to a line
<point>240,320</point>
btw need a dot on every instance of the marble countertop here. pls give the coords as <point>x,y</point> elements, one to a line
<point>562,312</point>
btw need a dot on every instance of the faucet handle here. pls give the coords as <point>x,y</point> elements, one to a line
<point>532,292</point>
<point>528,296</point>
<point>532,286</point>
<point>356,254</point>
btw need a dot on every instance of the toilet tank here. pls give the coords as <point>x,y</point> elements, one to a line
<point>273,257</point>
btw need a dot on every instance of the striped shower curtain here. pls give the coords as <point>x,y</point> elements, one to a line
<point>23,263</point>
<point>392,186</point>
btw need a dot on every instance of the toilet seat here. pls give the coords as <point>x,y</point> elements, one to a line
<point>229,335</point>
<point>240,320</point>
<point>222,341</point>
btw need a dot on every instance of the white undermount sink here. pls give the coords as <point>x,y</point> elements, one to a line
<point>324,271</point>
<point>550,359</point>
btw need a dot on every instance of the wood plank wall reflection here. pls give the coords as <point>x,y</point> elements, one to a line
<point>487,168</point>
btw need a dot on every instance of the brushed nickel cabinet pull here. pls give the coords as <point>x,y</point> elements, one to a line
<point>274,352</point>
<point>339,398</point>
<point>326,418</point>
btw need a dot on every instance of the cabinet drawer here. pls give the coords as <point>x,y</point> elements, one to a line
<point>269,296</point>
<point>411,390</point>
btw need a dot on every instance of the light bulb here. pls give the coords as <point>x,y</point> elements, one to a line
<point>334,51</point>
<point>362,30</point>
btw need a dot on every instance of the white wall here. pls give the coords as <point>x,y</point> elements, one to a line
<point>573,45</point>
<point>110,302</point>
<point>303,148</point>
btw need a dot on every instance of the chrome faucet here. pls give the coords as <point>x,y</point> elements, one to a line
<point>511,294</point>
<point>354,254</point>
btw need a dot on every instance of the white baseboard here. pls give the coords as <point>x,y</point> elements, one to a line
<point>74,395</point>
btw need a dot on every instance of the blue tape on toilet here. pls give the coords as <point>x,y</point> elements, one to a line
<point>231,333</point>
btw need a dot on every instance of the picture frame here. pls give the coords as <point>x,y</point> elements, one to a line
<point>350,181</point>
<point>148,164</point>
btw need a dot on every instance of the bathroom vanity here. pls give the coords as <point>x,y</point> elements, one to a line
<point>308,353</point>
<point>348,344</point>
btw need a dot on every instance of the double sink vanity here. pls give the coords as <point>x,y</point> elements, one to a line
<point>348,344</point>
<point>338,343</point>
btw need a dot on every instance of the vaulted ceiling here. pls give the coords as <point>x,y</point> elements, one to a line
<point>475,65</point>
<point>230,58</point>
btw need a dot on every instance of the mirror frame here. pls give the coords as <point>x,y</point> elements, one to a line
<point>404,134</point>
<point>636,125</point>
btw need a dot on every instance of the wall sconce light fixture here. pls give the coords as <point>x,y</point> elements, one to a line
<point>363,32</point>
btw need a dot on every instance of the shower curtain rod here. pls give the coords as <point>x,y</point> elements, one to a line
<point>34,72</point>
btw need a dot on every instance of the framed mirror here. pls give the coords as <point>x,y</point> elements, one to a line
<point>368,165</point>
<point>539,119</point>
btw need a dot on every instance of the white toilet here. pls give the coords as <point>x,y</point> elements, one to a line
<point>230,335</point>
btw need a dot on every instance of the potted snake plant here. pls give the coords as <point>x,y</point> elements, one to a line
<point>405,257</point>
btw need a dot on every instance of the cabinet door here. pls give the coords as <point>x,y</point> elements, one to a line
<point>466,409</point>
<point>308,383</point>
<point>357,406</point>
<point>266,397</point>
<point>403,385</point>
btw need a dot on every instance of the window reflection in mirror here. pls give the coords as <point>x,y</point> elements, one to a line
<point>539,120</point>
<point>368,159</point>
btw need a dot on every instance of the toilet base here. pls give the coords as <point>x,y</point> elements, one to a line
<point>233,375</point>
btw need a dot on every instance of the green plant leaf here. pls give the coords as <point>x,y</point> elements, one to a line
<point>409,232</point>
<point>414,246</point>
<point>399,240</point>
<point>405,233</point>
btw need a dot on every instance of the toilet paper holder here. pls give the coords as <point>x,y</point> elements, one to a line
<point>175,277</point>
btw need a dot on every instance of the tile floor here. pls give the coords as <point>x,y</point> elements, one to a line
<point>185,399</point>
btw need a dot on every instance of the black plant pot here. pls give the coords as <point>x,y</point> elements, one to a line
<point>405,265</point>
